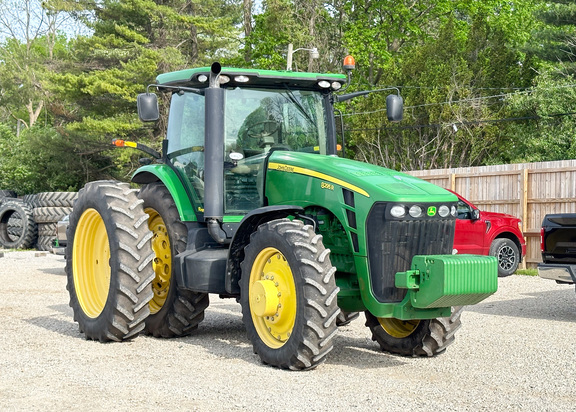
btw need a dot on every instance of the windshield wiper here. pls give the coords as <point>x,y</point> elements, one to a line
<point>298,105</point>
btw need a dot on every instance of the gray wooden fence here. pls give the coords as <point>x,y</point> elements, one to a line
<point>528,191</point>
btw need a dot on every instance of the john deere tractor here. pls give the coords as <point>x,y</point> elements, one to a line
<point>249,199</point>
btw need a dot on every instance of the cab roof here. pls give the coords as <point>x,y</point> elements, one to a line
<point>198,77</point>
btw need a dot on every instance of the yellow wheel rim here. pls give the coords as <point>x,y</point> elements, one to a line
<point>91,263</point>
<point>398,328</point>
<point>272,297</point>
<point>162,263</point>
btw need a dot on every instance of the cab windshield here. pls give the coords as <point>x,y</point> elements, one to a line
<point>256,122</point>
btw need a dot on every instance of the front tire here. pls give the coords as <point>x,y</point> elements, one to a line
<point>508,255</point>
<point>109,262</point>
<point>289,295</point>
<point>174,311</point>
<point>427,337</point>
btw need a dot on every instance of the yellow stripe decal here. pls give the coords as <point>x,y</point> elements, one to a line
<point>302,171</point>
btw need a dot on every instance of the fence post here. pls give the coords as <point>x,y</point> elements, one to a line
<point>524,204</point>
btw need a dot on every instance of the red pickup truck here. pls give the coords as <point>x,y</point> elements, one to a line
<point>488,233</point>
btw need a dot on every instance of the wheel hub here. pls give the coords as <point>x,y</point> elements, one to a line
<point>264,298</point>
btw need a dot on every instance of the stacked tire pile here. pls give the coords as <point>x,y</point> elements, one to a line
<point>32,222</point>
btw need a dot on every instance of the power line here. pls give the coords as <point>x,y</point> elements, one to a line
<point>526,91</point>
<point>465,123</point>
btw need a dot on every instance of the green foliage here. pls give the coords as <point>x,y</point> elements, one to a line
<point>547,130</point>
<point>41,159</point>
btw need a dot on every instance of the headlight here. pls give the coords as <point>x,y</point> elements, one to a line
<point>453,210</point>
<point>398,211</point>
<point>415,211</point>
<point>443,211</point>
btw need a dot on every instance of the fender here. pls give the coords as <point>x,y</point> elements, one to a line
<point>241,238</point>
<point>165,174</point>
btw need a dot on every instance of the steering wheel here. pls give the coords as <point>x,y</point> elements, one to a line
<point>262,129</point>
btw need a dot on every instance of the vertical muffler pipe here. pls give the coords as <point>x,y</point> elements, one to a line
<point>214,156</point>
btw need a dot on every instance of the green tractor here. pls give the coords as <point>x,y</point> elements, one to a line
<point>249,199</point>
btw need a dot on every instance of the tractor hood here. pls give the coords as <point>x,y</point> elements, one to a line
<point>365,179</point>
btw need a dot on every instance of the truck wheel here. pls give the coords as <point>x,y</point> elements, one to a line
<point>109,262</point>
<point>428,337</point>
<point>288,295</point>
<point>173,311</point>
<point>506,251</point>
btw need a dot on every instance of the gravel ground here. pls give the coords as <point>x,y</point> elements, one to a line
<point>515,351</point>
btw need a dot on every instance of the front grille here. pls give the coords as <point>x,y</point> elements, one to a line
<point>393,242</point>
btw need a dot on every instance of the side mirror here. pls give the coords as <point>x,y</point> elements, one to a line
<point>147,104</point>
<point>475,214</point>
<point>394,107</point>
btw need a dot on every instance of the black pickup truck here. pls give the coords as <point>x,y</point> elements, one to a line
<point>558,245</point>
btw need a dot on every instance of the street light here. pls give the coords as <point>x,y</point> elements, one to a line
<point>313,54</point>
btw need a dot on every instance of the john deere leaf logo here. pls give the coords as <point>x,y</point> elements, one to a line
<point>431,211</point>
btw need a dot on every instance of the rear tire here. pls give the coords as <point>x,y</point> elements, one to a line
<point>508,255</point>
<point>427,337</point>
<point>173,311</point>
<point>109,262</point>
<point>288,295</point>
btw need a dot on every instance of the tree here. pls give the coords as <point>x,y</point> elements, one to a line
<point>30,41</point>
<point>447,83</point>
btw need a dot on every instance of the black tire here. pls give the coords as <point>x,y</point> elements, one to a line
<point>47,229</point>
<point>45,243</point>
<point>288,285</point>
<point>344,318</point>
<point>109,262</point>
<point>508,255</point>
<point>428,337</point>
<point>54,199</point>
<point>50,214</point>
<point>7,194</point>
<point>24,236</point>
<point>174,311</point>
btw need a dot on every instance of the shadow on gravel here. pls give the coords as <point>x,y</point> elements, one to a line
<point>360,353</point>
<point>558,305</point>
<point>54,324</point>
<point>222,334</point>
<point>53,271</point>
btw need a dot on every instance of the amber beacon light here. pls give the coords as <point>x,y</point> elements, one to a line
<point>349,63</point>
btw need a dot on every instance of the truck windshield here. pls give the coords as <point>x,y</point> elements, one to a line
<point>256,122</point>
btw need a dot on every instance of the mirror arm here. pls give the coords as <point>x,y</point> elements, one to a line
<point>162,88</point>
<point>349,96</point>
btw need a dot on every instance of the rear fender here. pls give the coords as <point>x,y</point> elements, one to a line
<point>164,174</point>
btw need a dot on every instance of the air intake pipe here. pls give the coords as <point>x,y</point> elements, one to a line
<point>214,156</point>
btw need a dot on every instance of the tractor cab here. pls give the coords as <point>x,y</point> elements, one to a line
<point>257,119</point>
